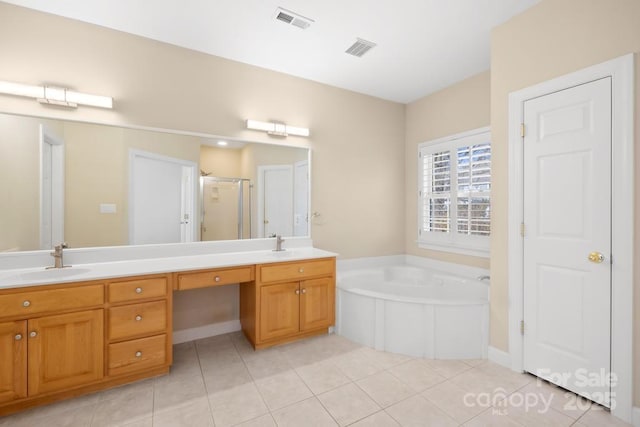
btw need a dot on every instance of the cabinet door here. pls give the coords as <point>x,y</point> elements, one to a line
<point>13,353</point>
<point>65,350</point>
<point>317,303</point>
<point>279,310</point>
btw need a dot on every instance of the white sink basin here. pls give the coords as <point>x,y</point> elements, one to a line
<point>51,274</point>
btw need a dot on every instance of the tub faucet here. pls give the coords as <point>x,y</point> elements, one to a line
<point>57,256</point>
<point>483,277</point>
<point>279,241</point>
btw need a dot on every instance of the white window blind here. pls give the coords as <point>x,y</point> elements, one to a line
<point>455,188</point>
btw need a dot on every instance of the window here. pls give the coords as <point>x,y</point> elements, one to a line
<point>455,193</point>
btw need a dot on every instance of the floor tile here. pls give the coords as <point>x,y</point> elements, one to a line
<point>417,374</point>
<point>492,418</point>
<point>322,376</point>
<point>172,393</point>
<point>563,401</point>
<point>356,364</point>
<point>306,413</point>
<point>599,417</point>
<point>455,401</point>
<point>448,368</point>
<point>236,405</point>
<point>348,403</point>
<point>533,410</point>
<point>263,421</point>
<point>68,417</point>
<point>132,404</point>
<point>417,411</point>
<point>379,419</point>
<point>218,378</point>
<point>383,359</point>
<point>282,389</point>
<point>192,413</point>
<point>385,389</point>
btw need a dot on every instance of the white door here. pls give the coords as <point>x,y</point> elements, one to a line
<point>567,215</point>
<point>275,200</point>
<point>161,202</point>
<point>301,198</point>
<point>51,188</point>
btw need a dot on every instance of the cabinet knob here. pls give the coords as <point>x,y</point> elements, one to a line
<point>33,334</point>
<point>304,291</point>
<point>138,290</point>
<point>18,337</point>
<point>27,303</point>
<point>138,318</point>
<point>217,278</point>
<point>138,354</point>
<point>297,291</point>
<point>301,270</point>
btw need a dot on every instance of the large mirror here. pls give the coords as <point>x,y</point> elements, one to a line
<point>96,185</point>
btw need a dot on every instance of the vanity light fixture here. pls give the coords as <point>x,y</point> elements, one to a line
<point>55,95</point>
<point>223,143</point>
<point>277,128</point>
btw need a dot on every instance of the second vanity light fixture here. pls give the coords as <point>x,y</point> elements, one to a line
<point>277,128</point>
<point>55,95</point>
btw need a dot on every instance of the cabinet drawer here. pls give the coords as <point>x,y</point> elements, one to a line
<point>33,302</point>
<point>137,319</point>
<point>296,270</point>
<point>137,289</point>
<point>220,276</point>
<point>130,356</point>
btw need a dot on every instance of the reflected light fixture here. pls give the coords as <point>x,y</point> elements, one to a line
<point>55,95</point>
<point>223,143</point>
<point>277,128</point>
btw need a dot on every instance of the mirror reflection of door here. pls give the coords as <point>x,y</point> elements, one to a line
<point>225,208</point>
<point>51,188</point>
<point>275,200</point>
<point>301,198</point>
<point>161,199</point>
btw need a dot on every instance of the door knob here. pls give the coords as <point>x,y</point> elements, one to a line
<point>596,257</point>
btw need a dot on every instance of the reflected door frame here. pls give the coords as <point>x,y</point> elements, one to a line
<point>261,205</point>
<point>621,71</point>
<point>190,182</point>
<point>51,185</point>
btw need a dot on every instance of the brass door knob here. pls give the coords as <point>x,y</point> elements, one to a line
<point>596,257</point>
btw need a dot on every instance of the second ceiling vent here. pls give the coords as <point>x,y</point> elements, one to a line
<point>293,18</point>
<point>360,47</point>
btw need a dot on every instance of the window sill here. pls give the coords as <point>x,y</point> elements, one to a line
<point>460,250</point>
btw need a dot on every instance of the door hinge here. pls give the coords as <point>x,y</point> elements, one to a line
<point>522,327</point>
<point>522,229</point>
<point>522,130</point>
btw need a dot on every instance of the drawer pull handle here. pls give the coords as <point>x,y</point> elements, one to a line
<point>138,290</point>
<point>297,291</point>
<point>18,337</point>
<point>138,318</point>
<point>27,303</point>
<point>138,354</point>
<point>304,291</point>
<point>217,278</point>
<point>301,270</point>
<point>33,334</point>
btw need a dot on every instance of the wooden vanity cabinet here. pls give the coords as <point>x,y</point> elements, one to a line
<point>288,301</point>
<point>13,367</point>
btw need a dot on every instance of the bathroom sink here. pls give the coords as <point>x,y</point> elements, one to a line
<point>53,273</point>
<point>282,254</point>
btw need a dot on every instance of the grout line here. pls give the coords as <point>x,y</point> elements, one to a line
<point>195,347</point>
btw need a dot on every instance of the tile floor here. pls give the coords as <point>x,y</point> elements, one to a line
<point>324,381</point>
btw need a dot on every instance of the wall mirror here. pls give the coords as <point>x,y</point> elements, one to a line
<point>97,185</point>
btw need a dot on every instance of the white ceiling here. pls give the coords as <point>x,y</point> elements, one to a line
<point>422,45</point>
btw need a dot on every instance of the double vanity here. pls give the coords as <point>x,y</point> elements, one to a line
<point>67,332</point>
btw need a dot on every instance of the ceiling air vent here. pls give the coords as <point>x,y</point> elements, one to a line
<point>292,18</point>
<point>360,47</point>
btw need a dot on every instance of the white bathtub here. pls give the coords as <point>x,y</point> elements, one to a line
<point>415,311</point>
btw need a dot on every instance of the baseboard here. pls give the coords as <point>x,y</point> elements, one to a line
<point>500,357</point>
<point>205,331</point>
<point>636,416</point>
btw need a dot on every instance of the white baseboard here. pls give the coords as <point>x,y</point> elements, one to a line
<point>636,416</point>
<point>205,331</point>
<point>500,357</point>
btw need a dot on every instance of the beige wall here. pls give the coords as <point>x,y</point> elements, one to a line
<point>221,162</point>
<point>553,38</point>
<point>159,85</point>
<point>458,108</point>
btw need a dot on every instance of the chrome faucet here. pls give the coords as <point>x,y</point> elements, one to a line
<point>57,256</point>
<point>279,241</point>
<point>483,277</point>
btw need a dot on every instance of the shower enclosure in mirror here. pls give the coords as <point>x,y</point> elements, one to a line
<point>97,185</point>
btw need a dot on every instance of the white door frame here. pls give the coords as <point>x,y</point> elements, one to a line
<point>307,217</point>
<point>621,70</point>
<point>189,192</point>
<point>261,171</point>
<point>47,136</point>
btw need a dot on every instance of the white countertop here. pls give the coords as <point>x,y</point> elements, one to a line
<point>17,278</point>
